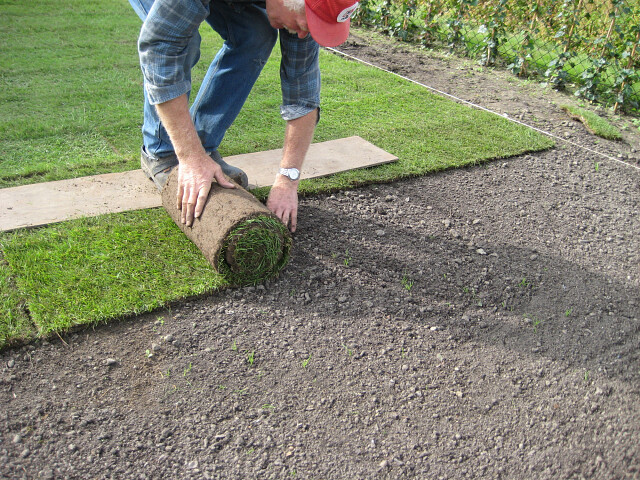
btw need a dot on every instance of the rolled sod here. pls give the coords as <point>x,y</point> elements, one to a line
<point>236,233</point>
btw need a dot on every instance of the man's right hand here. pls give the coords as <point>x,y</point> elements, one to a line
<point>196,169</point>
<point>194,183</point>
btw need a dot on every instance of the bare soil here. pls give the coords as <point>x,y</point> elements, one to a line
<point>476,323</point>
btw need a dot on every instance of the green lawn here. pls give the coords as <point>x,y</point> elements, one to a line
<point>71,106</point>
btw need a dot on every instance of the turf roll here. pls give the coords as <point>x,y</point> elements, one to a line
<point>236,233</point>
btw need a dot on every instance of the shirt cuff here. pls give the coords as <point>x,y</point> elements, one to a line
<point>164,93</point>
<point>291,112</point>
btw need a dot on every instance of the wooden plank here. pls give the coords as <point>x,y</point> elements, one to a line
<point>44,203</point>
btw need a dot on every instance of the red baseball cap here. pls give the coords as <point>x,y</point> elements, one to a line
<point>329,20</point>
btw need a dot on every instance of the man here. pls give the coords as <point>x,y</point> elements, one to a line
<point>176,135</point>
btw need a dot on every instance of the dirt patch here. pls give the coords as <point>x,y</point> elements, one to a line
<point>477,323</point>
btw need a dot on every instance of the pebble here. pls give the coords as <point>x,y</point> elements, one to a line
<point>380,233</point>
<point>16,438</point>
<point>155,347</point>
<point>110,362</point>
<point>11,363</point>
<point>46,474</point>
<point>481,251</point>
<point>169,338</point>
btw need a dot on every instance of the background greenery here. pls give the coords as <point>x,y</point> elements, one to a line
<point>592,46</point>
<point>71,106</point>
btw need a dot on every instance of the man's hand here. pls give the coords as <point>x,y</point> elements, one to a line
<point>281,16</point>
<point>196,169</point>
<point>283,201</point>
<point>194,184</point>
<point>283,198</point>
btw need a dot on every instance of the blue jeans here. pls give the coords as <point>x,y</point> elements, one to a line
<point>248,41</point>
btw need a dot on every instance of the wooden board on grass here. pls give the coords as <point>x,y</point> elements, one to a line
<point>44,203</point>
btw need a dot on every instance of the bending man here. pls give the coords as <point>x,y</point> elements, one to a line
<point>175,134</point>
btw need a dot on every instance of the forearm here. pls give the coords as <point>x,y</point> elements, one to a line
<point>283,198</point>
<point>176,119</point>
<point>297,139</point>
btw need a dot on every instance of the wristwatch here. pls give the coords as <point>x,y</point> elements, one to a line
<point>291,173</point>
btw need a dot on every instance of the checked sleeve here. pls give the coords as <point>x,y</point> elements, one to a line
<point>169,45</point>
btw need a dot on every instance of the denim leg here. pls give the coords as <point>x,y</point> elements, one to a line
<point>248,41</point>
<point>154,136</point>
<point>299,75</point>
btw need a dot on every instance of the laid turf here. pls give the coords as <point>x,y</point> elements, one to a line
<point>593,122</point>
<point>75,110</point>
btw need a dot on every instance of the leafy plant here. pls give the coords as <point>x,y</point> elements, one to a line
<point>407,283</point>
<point>251,357</point>
<point>305,362</point>
<point>590,43</point>
<point>535,321</point>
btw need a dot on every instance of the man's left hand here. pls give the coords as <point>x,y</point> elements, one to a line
<point>283,201</point>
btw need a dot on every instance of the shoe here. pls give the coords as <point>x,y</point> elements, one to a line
<point>230,171</point>
<point>157,169</point>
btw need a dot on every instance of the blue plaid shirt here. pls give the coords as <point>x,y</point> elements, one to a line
<point>167,32</point>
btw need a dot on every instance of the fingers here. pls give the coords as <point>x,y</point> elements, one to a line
<point>194,185</point>
<point>293,220</point>
<point>191,203</point>
<point>284,205</point>
<point>179,195</point>
<point>191,199</point>
<point>201,200</point>
<point>289,218</point>
<point>222,180</point>
<point>188,207</point>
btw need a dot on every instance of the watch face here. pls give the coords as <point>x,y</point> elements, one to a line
<point>292,173</point>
